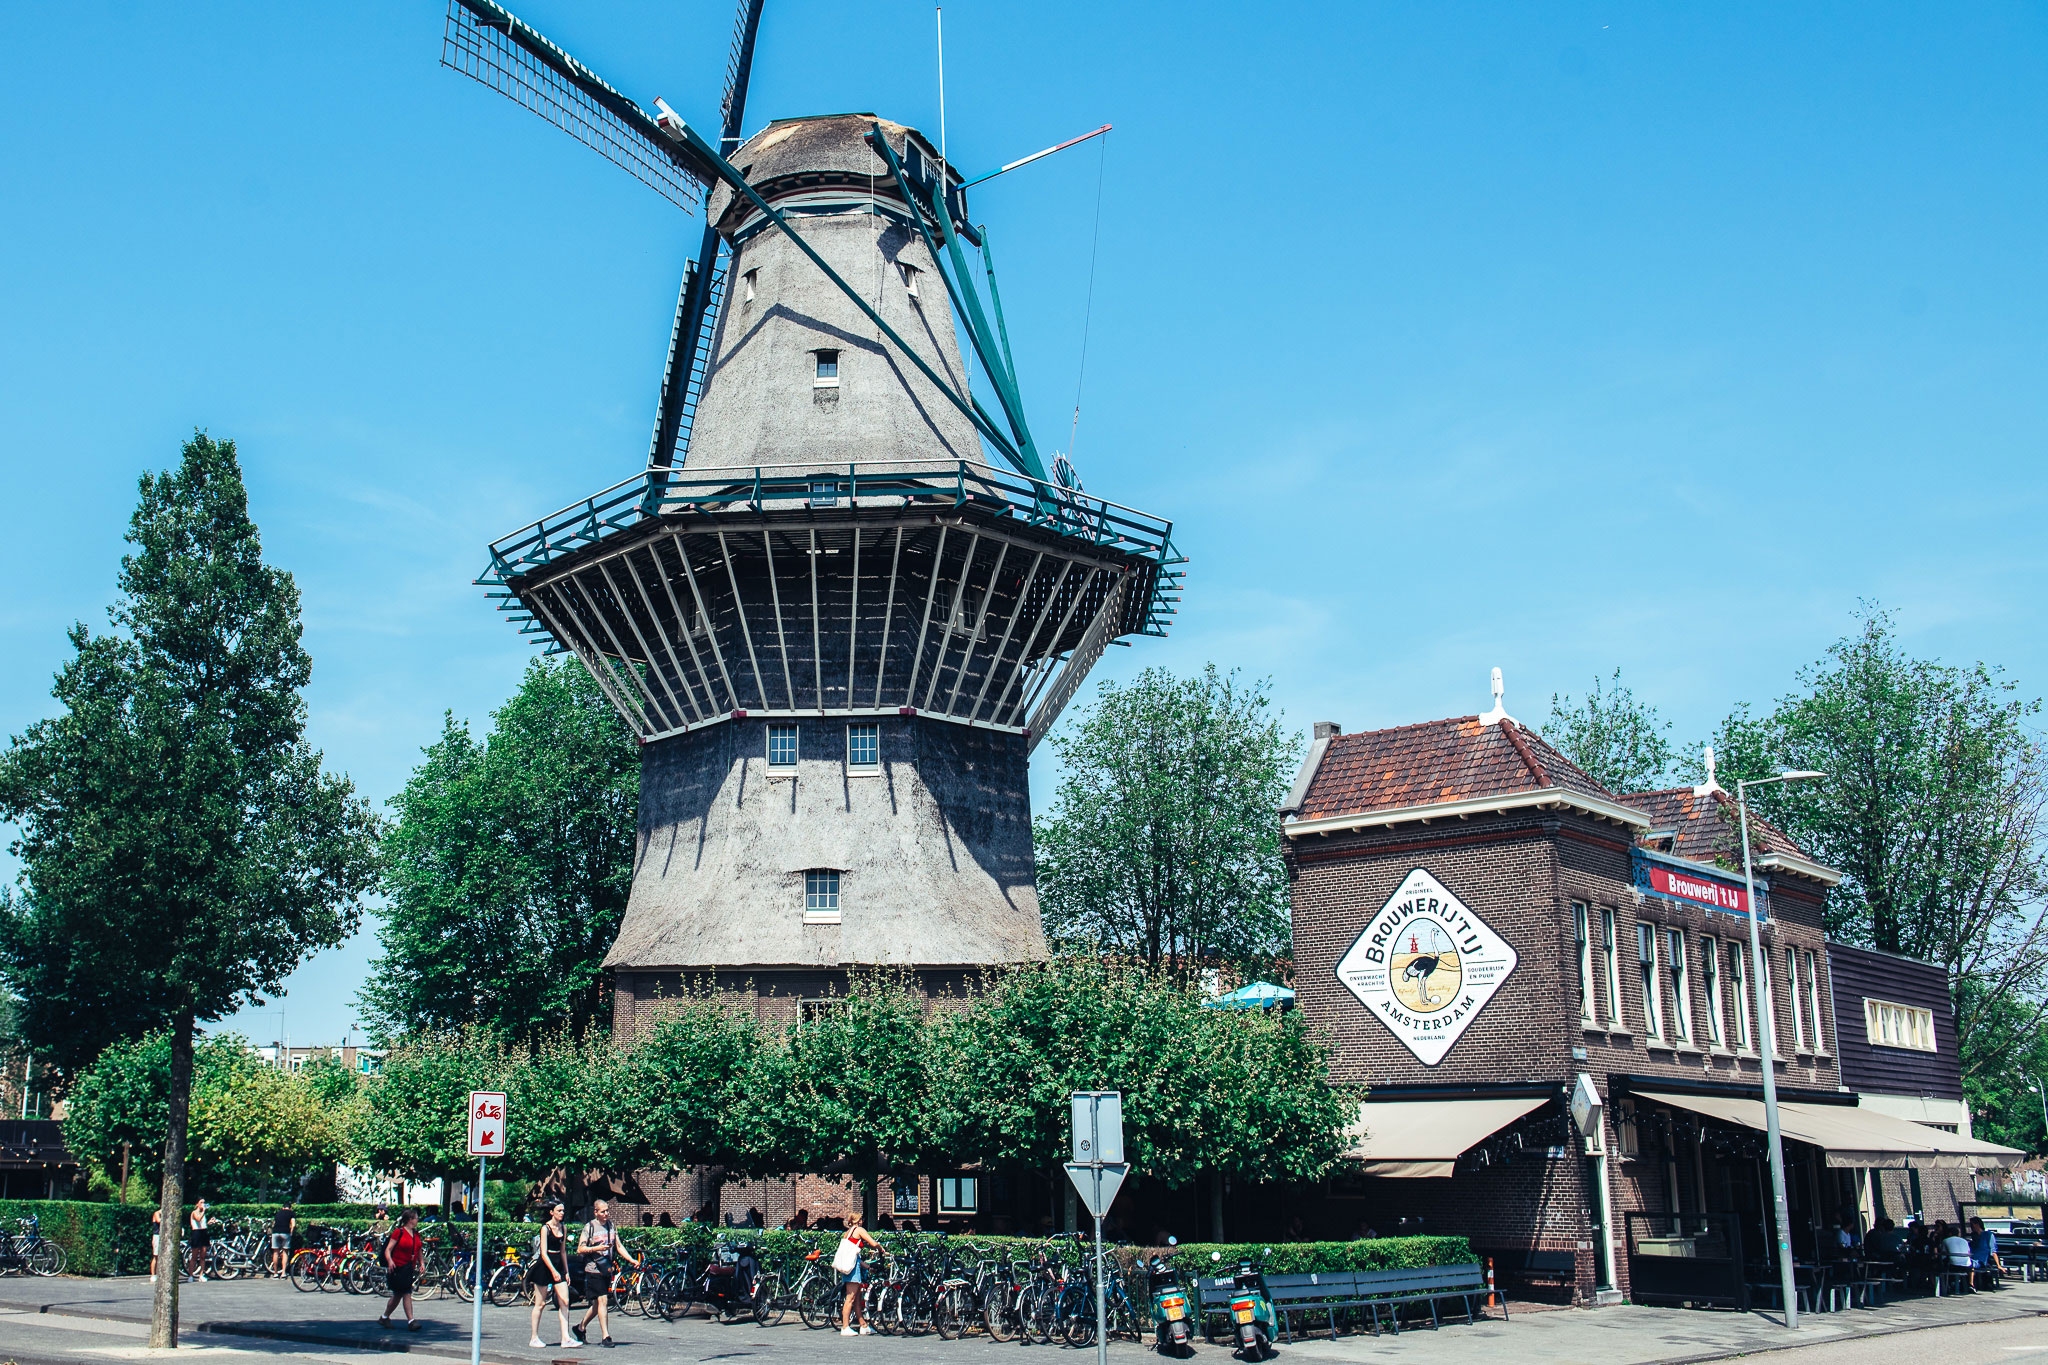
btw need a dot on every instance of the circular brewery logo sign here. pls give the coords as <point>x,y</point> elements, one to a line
<point>1425,966</point>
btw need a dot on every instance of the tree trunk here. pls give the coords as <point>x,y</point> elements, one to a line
<point>163,1314</point>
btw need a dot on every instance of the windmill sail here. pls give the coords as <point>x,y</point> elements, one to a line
<point>689,347</point>
<point>488,44</point>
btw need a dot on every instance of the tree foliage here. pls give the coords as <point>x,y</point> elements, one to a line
<point>1933,807</point>
<point>1620,742</point>
<point>1162,843</point>
<point>508,869</point>
<point>414,1120</point>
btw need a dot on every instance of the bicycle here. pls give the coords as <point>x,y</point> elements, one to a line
<point>506,1284</point>
<point>817,1294</point>
<point>315,1268</point>
<point>26,1251</point>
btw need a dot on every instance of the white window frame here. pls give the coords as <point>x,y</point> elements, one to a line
<point>1674,968</point>
<point>959,1194</point>
<point>1792,992</point>
<point>909,273</point>
<point>776,729</point>
<point>1611,968</point>
<point>1745,1018</point>
<point>821,895</point>
<point>1582,924</point>
<point>1889,1024</point>
<point>864,767</point>
<point>1820,1039</point>
<point>748,281</point>
<point>823,357</point>
<point>1646,960</point>
<point>1766,997</point>
<point>1710,963</point>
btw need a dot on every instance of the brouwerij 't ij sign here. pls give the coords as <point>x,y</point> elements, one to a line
<point>1425,966</point>
<point>1690,885</point>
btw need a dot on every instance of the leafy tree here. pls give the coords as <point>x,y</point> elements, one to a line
<point>2004,1057</point>
<point>1933,808</point>
<point>577,1108</point>
<point>1162,843</point>
<point>1622,743</point>
<point>414,1119</point>
<point>508,869</point>
<point>181,848</point>
<point>701,1088</point>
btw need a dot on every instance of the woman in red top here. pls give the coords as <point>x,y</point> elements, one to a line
<point>402,1267</point>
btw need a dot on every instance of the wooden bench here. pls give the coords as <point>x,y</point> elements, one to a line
<point>1367,1291</point>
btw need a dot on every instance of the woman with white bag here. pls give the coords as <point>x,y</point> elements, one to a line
<point>853,1274</point>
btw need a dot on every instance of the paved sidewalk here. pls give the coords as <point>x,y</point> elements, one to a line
<point>43,1322</point>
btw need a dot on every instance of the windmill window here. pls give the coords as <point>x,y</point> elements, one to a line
<point>910,274</point>
<point>749,280</point>
<point>864,748</point>
<point>828,370</point>
<point>782,748</point>
<point>821,897</point>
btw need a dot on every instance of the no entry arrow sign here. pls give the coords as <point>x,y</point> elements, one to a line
<point>486,1123</point>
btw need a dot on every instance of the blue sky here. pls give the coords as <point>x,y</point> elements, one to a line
<point>1553,337</point>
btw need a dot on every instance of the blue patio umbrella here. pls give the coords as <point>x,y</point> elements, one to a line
<point>1259,995</point>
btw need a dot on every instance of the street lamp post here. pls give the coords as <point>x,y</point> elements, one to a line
<point>2041,1090</point>
<point>1767,1046</point>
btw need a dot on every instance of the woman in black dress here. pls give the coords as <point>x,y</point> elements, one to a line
<point>549,1274</point>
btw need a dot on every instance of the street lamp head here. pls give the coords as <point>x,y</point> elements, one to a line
<point>1797,775</point>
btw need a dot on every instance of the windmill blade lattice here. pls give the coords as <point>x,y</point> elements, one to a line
<point>490,46</point>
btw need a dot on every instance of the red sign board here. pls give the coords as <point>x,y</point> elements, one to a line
<point>486,1123</point>
<point>1719,895</point>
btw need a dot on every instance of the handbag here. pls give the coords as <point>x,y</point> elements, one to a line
<point>847,1257</point>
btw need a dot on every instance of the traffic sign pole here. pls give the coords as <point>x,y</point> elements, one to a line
<point>476,1316</point>
<point>486,1136</point>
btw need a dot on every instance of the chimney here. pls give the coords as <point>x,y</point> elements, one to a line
<point>1326,728</point>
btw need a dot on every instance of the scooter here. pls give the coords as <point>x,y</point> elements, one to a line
<point>1251,1311</point>
<point>729,1288</point>
<point>1174,1306</point>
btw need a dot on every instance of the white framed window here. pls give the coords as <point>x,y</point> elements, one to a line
<point>821,896</point>
<point>864,747</point>
<point>782,747</point>
<point>909,273</point>
<point>1584,931</point>
<point>1820,1037</point>
<point>1767,1001</point>
<point>748,281</point>
<point>1892,1025</point>
<point>1646,954</point>
<point>1610,969</point>
<point>959,1194</point>
<point>1793,998</point>
<point>1710,966</point>
<point>1674,967</point>
<point>827,376</point>
<point>1738,983</point>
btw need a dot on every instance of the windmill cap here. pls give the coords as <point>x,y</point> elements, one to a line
<point>819,151</point>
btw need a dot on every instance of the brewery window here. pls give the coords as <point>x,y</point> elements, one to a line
<point>864,748</point>
<point>821,897</point>
<point>782,748</point>
<point>905,1200</point>
<point>750,279</point>
<point>1646,954</point>
<point>1793,998</point>
<point>1766,1000</point>
<point>1585,936</point>
<point>959,1194</point>
<point>1820,1037</point>
<point>1710,965</point>
<point>1681,1005</point>
<point>1904,1026</point>
<point>1738,985</point>
<point>828,370</point>
<point>910,274</point>
<point>1610,970</point>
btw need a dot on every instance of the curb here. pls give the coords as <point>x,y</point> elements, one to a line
<point>1871,1335</point>
<point>303,1336</point>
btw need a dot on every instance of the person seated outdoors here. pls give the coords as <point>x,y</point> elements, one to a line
<point>1955,1248</point>
<point>1885,1241</point>
<point>1984,1260</point>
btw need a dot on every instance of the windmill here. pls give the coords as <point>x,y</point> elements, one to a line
<point>844,600</point>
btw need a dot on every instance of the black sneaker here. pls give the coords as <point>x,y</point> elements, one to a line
<point>606,1342</point>
<point>579,1335</point>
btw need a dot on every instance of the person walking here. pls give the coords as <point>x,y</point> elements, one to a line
<point>849,1261</point>
<point>281,1229</point>
<point>597,1250</point>
<point>201,1241</point>
<point>549,1274</point>
<point>402,1268</point>
<point>156,1237</point>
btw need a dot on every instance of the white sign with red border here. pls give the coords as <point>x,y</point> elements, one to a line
<point>486,1123</point>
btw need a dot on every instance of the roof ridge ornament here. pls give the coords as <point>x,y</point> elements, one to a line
<point>1499,712</point>
<point>1710,786</point>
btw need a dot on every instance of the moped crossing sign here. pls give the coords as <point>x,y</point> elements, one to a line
<point>486,1123</point>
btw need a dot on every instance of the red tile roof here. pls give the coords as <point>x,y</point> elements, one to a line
<point>1705,827</point>
<point>1434,762</point>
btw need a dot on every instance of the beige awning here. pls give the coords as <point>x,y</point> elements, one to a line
<point>1850,1136</point>
<point>1426,1137</point>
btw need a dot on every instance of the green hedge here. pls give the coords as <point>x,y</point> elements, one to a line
<point>107,1239</point>
<point>98,1239</point>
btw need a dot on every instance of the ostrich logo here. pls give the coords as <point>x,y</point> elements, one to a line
<point>1423,969</point>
